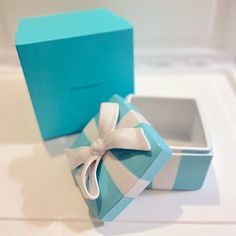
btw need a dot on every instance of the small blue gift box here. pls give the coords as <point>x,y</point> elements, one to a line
<point>72,62</point>
<point>121,174</point>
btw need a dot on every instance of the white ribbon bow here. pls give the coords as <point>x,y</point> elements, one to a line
<point>109,137</point>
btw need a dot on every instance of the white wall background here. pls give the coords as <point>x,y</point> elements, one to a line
<point>169,24</point>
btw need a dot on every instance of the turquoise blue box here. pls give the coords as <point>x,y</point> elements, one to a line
<point>72,62</point>
<point>118,167</point>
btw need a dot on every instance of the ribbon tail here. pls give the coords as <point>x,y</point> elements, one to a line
<point>128,138</point>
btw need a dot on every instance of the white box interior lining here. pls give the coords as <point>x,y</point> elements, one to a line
<point>178,121</point>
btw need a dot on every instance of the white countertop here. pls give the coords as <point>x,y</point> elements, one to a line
<point>38,196</point>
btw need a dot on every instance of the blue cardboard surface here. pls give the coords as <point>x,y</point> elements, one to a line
<point>144,165</point>
<point>72,62</point>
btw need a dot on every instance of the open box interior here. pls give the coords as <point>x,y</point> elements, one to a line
<point>178,121</point>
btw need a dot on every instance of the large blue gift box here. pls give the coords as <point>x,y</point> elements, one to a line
<point>72,62</point>
<point>122,174</point>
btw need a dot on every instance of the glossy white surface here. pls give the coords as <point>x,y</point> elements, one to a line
<point>37,193</point>
<point>12,228</point>
<point>178,121</point>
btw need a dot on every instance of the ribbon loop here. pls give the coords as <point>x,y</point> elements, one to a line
<point>107,118</point>
<point>87,176</point>
<point>127,138</point>
<point>109,137</point>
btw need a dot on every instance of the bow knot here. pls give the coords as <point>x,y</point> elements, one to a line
<point>109,137</point>
<point>98,147</point>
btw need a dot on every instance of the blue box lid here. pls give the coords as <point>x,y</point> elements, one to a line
<point>71,24</point>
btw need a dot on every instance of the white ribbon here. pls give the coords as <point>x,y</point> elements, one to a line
<point>109,137</point>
